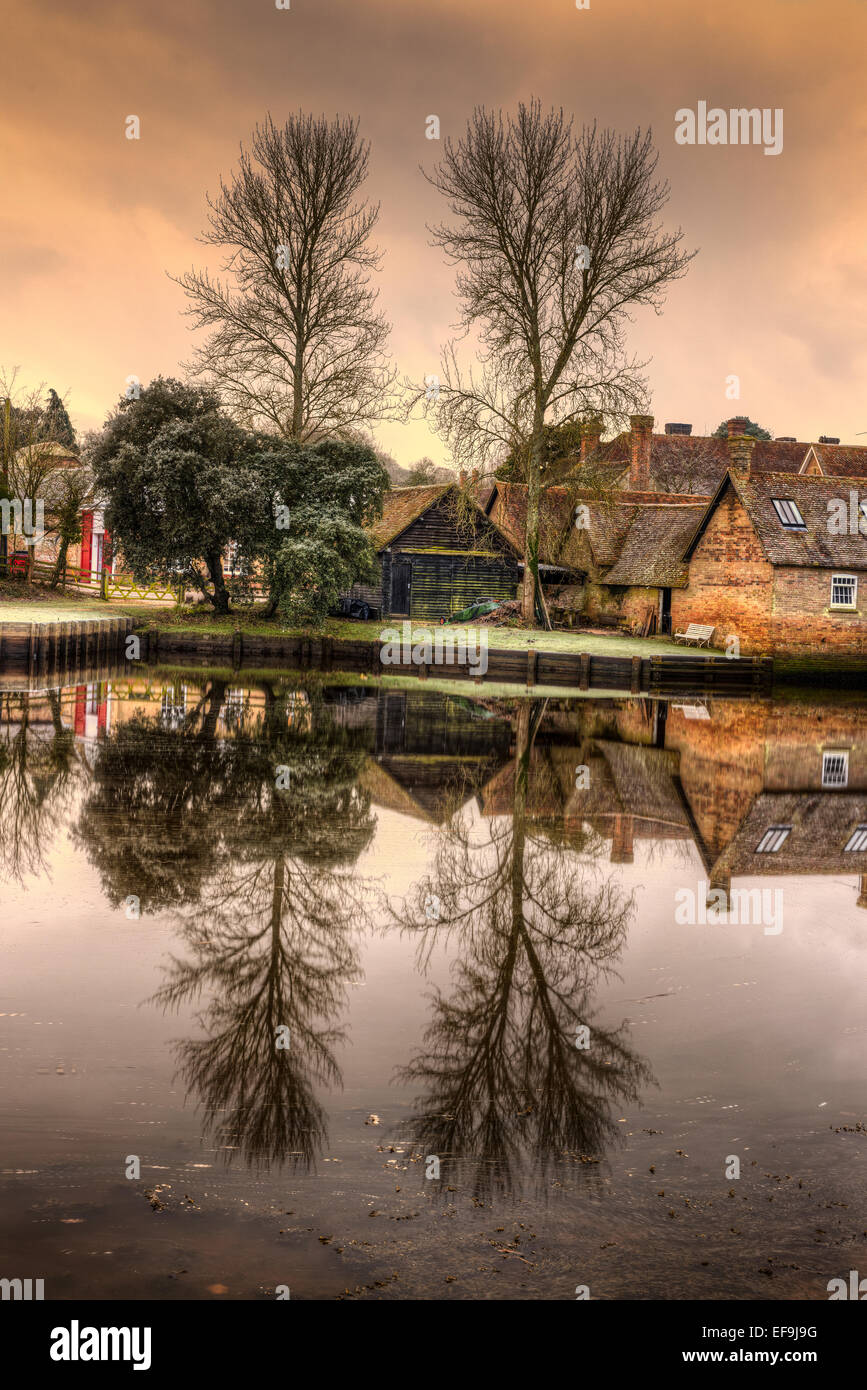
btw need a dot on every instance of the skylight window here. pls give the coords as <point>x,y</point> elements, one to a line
<point>789,514</point>
<point>857,840</point>
<point>773,839</point>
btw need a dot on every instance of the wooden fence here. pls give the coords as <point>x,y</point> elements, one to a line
<point>105,585</point>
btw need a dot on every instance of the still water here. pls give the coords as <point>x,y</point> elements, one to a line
<point>389,994</point>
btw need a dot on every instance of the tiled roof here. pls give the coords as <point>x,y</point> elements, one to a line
<point>507,508</point>
<point>652,551</point>
<point>695,463</point>
<point>842,460</point>
<point>817,545</point>
<point>822,823</point>
<point>400,507</point>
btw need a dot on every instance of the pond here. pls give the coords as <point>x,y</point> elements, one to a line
<point>370,993</point>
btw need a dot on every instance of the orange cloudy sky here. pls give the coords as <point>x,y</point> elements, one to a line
<point>90,222</point>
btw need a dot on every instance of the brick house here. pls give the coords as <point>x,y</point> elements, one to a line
<point>623,541</point>
<point>772,563</point>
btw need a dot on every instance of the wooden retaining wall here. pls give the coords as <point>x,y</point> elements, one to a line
<point>659,675</point>
<point>43,651</point>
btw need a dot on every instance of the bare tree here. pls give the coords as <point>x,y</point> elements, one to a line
<point>33,465</point>
<point>556,237</point>
<point>297,344</point>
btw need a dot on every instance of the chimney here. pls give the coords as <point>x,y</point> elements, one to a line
<point>678,429</point>
<point>641,432</point>
<point>621,840</point>
<point>862,893</point>
<point>462,478</point>
<point>828,439</point>
<point>591,433</point>
<point>740,446</point>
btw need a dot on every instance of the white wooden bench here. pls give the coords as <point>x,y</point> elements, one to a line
<point>699,633</point>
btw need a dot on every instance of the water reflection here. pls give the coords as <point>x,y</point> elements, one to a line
<point>251,839</point>
<point>37,766</point>
<point>242,810</point>
<point>511,1079</point>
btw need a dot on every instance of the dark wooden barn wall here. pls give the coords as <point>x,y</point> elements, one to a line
<point>451,569</point>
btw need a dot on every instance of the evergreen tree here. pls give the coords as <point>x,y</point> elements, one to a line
<point>721,431</point>
<point>56,424</point>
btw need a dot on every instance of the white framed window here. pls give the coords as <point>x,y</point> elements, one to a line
<point>789,513</point>
<point>173,710</point>
<point>773,839</point>
<point>844,590</point>
<point>835,769</point>
<point>857,840</point>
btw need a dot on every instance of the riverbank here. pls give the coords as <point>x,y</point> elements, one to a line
<point>248,637</point>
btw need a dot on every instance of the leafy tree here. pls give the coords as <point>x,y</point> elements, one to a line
<point>561,441</point>
<point>422,473</point>
<point>180,484</point>
<point>722,431</point>
<point>330,491</point>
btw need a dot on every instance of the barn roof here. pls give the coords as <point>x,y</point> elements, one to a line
<point>401,507</point>
<point>404,505</point>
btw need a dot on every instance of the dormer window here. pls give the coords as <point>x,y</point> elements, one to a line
<point>773,839</point>
<point>789,513</point>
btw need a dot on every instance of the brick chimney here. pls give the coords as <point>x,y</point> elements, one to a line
<point>740,446</point>
<point>591,433</point>
<point>641,432</point>
<point>621,840</point>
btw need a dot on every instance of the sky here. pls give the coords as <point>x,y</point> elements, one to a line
<point>93,224</point>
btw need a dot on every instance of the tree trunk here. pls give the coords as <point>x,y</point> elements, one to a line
<point>220,596</point>
<point>532,583</point>
<point>297,394</point>
<point>59,565</point>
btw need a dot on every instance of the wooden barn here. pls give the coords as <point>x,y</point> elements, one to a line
<point>435,558</point>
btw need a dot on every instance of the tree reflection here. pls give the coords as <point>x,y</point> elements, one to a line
<point>504,1083</point>
<point>37,772</point>
<point>250,839</point>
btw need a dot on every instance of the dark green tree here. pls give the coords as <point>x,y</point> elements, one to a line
<point>181,483</point>
<point>56,424</point>
<point>722,430</point>
<point>312,541</point>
